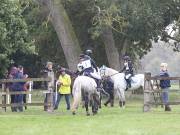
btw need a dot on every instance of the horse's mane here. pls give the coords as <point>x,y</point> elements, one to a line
<point>111,71</point>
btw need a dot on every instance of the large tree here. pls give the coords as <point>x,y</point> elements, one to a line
<point>64,30</point>
<point>13,33</point>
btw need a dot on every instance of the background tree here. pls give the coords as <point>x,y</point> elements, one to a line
<point>137,23</point>
<point>13,33</point>
<point>64,30</point>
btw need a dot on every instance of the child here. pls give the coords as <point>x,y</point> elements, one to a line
<point>165,84</point>
<point>128,70</point>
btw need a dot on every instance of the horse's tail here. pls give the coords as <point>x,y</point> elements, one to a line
<point>76,93</point>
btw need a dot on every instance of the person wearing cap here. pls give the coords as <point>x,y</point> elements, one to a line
<point>64,83</point>
<point>48,72</point>
<point>128,70</point>
<point>165,84</point>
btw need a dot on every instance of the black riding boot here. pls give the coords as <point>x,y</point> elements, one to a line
<point>128,84</point>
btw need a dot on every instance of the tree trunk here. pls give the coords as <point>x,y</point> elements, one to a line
<point>111,50</point>
<point>123,52</point>
<point>64,30</point>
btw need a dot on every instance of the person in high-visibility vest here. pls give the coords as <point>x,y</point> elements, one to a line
<point>64,82</point>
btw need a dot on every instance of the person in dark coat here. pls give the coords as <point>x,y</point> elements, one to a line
<point>86,67</point>
<point>19,86</point>
<point>128,70</point>
<point>165,84</point>
<point>108,86</point>
<point>88,54</point>
<point>11,75</point>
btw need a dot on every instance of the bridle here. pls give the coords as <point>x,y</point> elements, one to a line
<point>103,72</point>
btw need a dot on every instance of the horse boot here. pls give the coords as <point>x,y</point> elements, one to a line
<point>167,108</point>
<point>124,103</point>
<point>112,103</point>
<point>73,113</point>
<point>106,103</point>
<point>120,103</point>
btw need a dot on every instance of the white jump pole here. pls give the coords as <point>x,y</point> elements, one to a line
<point>56,91</point>
<point>30,89</point>
<point>8,99</point>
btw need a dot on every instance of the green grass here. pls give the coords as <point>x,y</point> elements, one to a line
<point>109,121</point>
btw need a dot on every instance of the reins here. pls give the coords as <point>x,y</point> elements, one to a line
<point>112,75</point>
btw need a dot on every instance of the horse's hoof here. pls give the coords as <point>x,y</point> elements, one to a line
<point>123,107</point>
<point>88,114</point>
<point>94,113</point>
<point>120,104</point>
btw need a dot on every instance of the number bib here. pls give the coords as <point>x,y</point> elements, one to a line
<point>86,64</point>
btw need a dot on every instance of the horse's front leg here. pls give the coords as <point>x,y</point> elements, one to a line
<point>74,107</point>
<point>121,96</point>
<point>75,104</point>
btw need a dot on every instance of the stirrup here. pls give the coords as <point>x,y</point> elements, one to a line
<point>98,89</point>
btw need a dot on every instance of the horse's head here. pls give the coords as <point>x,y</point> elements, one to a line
<point>105,71</point>
<point>102,70</point>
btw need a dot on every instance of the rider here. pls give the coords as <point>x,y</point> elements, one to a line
<point>88,54</point>
<point>87,66</point>
<point>128,70</point>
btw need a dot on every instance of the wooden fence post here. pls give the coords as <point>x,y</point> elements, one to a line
<point>4,96</point>
<point>147,92</point>
<point>50,100</point>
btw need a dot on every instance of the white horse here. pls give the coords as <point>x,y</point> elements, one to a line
<point>120,82</point>
<point>85,87</point>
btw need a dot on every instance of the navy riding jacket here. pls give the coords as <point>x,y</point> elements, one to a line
<point>130,68</point>
<point>92,62</point>
<point>164,83</point>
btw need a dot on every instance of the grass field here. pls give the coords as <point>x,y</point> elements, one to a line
<point>109,121</point>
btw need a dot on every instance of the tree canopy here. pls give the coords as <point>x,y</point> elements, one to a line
<point>28,32</point>
<point>13,33</point>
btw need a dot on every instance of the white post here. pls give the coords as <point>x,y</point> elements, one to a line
<point>30,89</point>
<point>56,91</point>
<point>147,92</point>
<point>8,99</point>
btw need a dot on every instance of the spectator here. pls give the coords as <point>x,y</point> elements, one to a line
<point>18,86</point>
<point>64,82</point>
<point>165,84</point>
<point>48,72</point>
<point>11,75</point>
<point>25,88</point>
